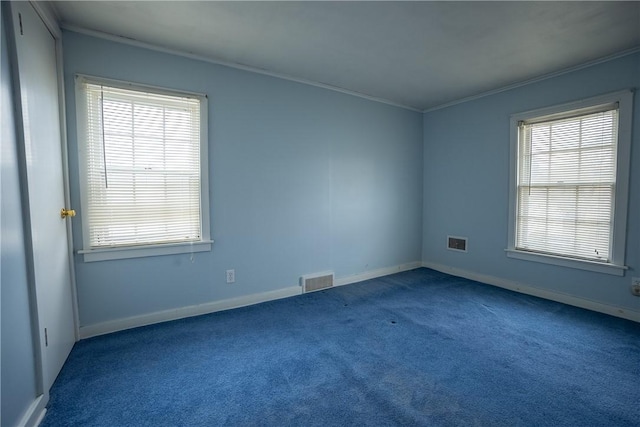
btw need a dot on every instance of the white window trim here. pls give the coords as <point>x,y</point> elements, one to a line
<point>619,235</point>
<point>103,254</point>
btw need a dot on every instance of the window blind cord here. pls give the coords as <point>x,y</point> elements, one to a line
<point>104,149</point>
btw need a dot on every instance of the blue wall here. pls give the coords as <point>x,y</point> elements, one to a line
<point>305,179</point>
<point>18,355</point>
<point>302,180</point>
<point>466,184</point>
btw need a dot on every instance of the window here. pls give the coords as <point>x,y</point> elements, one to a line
<point>143,165</point>
<point>569,173</point>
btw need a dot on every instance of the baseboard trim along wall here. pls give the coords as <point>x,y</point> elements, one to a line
<point>372,274</point>
<point>183,312</point>
<point>35,414</point>
<point>227,304</point>
<point>541,293</point>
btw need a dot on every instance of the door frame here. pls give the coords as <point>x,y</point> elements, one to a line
<point>48,16</point>
<point>36,411</point>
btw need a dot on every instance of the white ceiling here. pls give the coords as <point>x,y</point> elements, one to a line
<point>416,54</point>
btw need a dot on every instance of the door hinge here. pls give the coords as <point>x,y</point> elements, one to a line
<point>20,20</point>
<point>46,338</point>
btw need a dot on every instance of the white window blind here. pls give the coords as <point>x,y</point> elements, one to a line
<point>566,184</point>
<point>143,175</point>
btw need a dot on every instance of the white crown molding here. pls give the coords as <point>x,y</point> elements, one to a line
<point>150,46</point>
<point>535,79</point>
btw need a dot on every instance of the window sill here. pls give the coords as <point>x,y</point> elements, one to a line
<point>613,269</point>
<point>106,254</point>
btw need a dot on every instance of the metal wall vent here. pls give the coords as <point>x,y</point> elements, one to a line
<point>457,243</point>
<point>316,282</point>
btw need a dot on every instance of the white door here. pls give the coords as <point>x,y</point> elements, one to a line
<point>37,72</point>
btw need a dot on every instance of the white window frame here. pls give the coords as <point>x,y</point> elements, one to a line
<point>616,266</point>
<point>137,251</point>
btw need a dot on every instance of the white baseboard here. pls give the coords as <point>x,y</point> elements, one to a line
<point>35,414</point>
<point>346,280</point>
<point>541,293</point>
<point>183,312</point>
<point>227,304</point>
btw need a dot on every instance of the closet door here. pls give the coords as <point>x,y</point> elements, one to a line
<point>43,162</point>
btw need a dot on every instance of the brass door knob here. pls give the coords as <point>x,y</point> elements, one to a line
<point>67,213</point>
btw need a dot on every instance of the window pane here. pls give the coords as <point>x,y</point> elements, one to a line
<point>566,182</point>
<point>143,167</point>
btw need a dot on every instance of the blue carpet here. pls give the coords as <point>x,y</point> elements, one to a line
<point>414,348</point>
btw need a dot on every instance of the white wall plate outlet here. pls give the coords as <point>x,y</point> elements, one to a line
<point>231,276</point>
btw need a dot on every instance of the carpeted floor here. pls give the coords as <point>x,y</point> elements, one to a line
<point>414,348</point>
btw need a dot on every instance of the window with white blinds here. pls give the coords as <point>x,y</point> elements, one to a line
<point>570,194</point>
<point>142,152</point>
<point>566,184</point>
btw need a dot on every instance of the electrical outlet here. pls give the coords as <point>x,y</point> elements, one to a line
<point>231,276</point>
<point>635,286</point>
